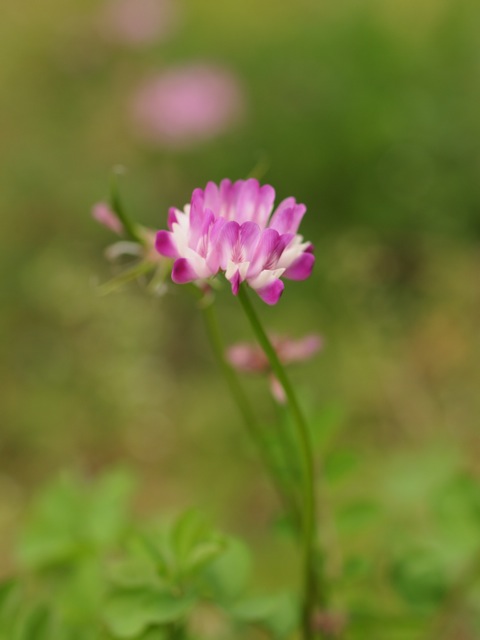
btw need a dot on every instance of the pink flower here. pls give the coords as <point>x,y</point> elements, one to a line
<point>187,105</point>
<point>249,358</point>
<point>137,22</point>
<point>231,228</point>
<point>103,214</point>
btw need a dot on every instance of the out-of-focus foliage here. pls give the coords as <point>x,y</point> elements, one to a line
<point>90,572</point>
<point>90,569</point>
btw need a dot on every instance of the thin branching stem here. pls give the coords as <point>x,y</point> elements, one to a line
<point>248,414</point>
<point>309,520</point>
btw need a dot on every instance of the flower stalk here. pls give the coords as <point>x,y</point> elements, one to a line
<point>244,406</point>
<point>116,204</point>
<point>308,471</point>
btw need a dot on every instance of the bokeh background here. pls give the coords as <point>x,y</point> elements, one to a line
<point>368,112</point>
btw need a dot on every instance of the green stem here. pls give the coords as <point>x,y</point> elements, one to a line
<point>117,206</point>
<point>243,404</point>
<point>288,446</point>
<point>306,450</point>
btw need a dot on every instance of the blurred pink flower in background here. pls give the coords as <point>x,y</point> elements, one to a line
<point>138,22</point>
<point>188,104</point>
<point>250,358</point>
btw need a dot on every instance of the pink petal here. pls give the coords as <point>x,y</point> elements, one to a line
<point>278,392</point>
<point>249,234</point>
<point>183,271</point>
<point>287,219</point>
<point>301,268</point>
<point>203,241</point>
<point>172,217</point>
<point>196,218</point>
<point>212,197</point>
<point>247,200</point>
<point>215,252</point>
<point>247,357</point>
<point>165,244</point>
<point>103,214</point>
<point>225,192</point>
<point>288,203</point>
<point>232,194</point>
<point>298,350</point>
<point>271,292</point>
<point>235,282</point>
<point>266,245</point>
<point>227,242</point>
<point>279,248</point>
<point>265,200</point>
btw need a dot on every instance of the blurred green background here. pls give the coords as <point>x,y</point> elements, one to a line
<point>368,112</point>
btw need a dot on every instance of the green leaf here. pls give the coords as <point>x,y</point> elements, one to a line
<point>133,572</point>
<point>155,634</point>
<point>419,577</point>
<point>7,589</point>
<point>229,574</point>
<point>154,550</point>
<point>194,543</point>
<point>72,517</point>
<point>36,625</point>
<point>52,532</point>
<point>189,530</point>
<point>39,549</point>
<point>10,607</point>
<point>129,612</point>
<point>278,613</point>
<point>203,554</point>
<point>108,503</point>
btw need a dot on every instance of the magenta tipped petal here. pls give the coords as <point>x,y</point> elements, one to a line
<point>183,271</point>
<point>172,217</point>
<point>288,220</point>
<point>235,281</point>
<point>272,292</point>
<point>165,244</point>
<point>301,268</point>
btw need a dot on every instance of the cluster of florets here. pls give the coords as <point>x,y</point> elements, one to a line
<point>230,228</point>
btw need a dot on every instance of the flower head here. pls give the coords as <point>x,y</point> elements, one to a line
<point>231,228</point>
